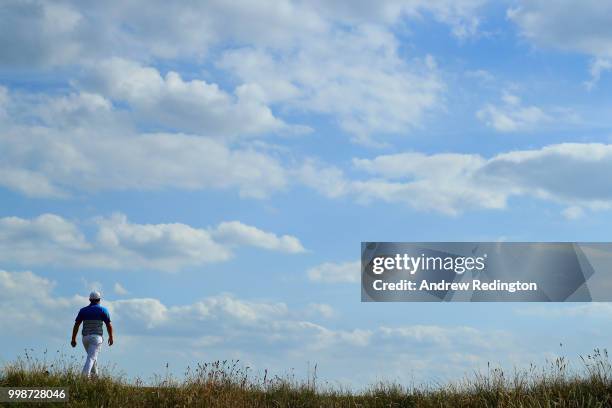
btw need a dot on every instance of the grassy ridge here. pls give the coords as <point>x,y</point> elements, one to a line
<point>228,384</point>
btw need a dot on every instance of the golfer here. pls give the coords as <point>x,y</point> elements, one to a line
<point>92,317</point>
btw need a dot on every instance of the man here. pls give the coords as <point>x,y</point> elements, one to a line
<point>92,317</point>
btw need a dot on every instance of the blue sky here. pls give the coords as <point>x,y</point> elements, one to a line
<point>213,169</point>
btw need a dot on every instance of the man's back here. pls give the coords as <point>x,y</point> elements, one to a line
<point>92,317</point>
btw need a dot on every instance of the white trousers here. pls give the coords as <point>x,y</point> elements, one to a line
<point>92,344</point>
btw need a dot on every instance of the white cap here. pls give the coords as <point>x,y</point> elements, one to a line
<point>94,295</point>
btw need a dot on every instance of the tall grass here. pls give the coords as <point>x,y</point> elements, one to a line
<point>231,384</point>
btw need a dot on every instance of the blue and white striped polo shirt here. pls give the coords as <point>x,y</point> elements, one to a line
<point>92,317</point>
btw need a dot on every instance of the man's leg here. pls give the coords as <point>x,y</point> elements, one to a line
<point>87,366</point>
<point>94,368</point>
<point>92,345</point>
<point>97,344</point>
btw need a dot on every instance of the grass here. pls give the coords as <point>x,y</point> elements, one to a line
<point>230,384</point>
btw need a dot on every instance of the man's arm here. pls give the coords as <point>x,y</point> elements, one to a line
<point>75,331</point>
<point>109,329</point>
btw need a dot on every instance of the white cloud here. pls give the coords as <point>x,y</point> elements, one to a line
<point>237,233</point>
<point>160,246</point>
<point>441,182</point>
<point>24,294</point>
<point>598,66</point>
<point>512,116</point>
<point>140,314</point>
<point>120,290</point>
<point>191,106</point>
<point>573,212</point>
<point>322,309</point>
<point>54,41</point>
<point>591,310</point>
<point>460,15</point>
<point>567,25</point>
<point>438,182</point>
<point>327,180</point>
<point>52,240</point>
<point>76,109</point>
<point>25,285</point>
<point>91,286</point>
<point>4,99</point>
<point>68,32</point>
<point>83,145</point>
<point>572,174</point>
<point>483,76</point>
<point>445,336</point>
<point>51,229</point>
<point>330,272</point>
<point>339,59</point>
<point>31,184</point>
<point>41,240</point>
<point>356,76</point>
